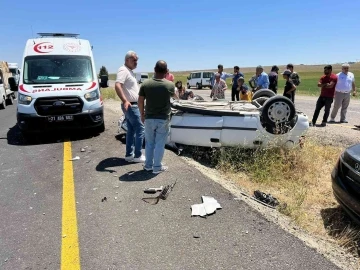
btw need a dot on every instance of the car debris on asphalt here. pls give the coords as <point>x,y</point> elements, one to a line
<point>208,206</point>
<point>153,190</point>
<point>266,198</point>
<point>163,195</point>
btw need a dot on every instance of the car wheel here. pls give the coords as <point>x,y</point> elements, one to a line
<point>278,110</point>
<point>3,104</point>
<point>188,86</point>
<point>263,93</point>
<point>10,100</point>
<point>199,86</point>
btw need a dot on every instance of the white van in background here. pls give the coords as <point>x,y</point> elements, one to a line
<point>200,79</point>
<point>141,77</point>
<point>59,88</point>
<point>14,69</point>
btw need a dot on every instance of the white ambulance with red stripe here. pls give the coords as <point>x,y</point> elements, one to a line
<point>59,87</point>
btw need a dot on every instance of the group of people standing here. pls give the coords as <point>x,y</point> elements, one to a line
<point>151,121</point>
<point>261,80</point>
<point>334,86</point>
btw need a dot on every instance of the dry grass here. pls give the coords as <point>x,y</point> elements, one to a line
<point>299,178</point>
<point>109,93</point>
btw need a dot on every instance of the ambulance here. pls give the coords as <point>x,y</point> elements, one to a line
<point>58,86</point>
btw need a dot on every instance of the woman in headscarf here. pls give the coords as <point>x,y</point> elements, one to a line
<point>218,90</point>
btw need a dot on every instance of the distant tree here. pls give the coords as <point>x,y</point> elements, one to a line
<point>103,71</point>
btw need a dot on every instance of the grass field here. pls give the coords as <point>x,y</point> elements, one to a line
<point>309,74</point>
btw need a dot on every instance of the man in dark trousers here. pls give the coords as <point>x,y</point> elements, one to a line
<point>273,79</point>
<point>327,83</point>
<point>237,75</point>
<point>157,91</point>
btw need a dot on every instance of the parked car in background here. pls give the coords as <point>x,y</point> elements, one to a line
<point>346,181</point>
<point>15,71</point>
<point>141,77</point>
<point>8,86</point>
<point>200,79</point>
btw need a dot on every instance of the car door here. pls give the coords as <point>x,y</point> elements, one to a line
<point>196,130</point>
<point>241,130</point>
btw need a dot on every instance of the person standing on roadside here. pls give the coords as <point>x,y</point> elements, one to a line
<point>289,87</point>
<point>327,83</point>
<point>294,77</point>
<point>169,76</point>
<point>234,91</point>
<point>344,85</point>
<point>156,116</point>
<point>262,80</point>
<point>219,88</point>
<point>273,79</point>
<point>127,89</point>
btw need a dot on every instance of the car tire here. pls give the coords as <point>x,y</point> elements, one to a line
<point>10,100</point>
<point>3,104</point>
<point>188,86</point>
<point>263,93</point>
<point>278,110</point>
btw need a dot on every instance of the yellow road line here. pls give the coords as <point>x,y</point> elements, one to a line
<point>70,258</point>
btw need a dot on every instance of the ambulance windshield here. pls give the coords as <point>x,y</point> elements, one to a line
<point>57,69</point>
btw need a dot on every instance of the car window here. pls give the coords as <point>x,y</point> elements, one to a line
<point>207,75</point>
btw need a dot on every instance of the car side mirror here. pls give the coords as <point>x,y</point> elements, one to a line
<point>188,77</point>
<point>13,84</point>
<point>104,81</point>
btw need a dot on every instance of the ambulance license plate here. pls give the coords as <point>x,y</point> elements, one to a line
<point>60,118</point>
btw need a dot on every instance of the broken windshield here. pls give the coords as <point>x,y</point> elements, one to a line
<point>57,69</point>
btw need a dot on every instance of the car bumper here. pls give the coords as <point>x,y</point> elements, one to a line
<point>350,203</point>
<point>34,123</point>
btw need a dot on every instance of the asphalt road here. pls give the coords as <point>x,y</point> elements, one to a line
<point>124,232</point>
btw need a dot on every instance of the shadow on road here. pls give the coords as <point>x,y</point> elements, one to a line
<point>339,226</point>
<point>105,164</point>
<point>15,137</point>
<point>133,176</point>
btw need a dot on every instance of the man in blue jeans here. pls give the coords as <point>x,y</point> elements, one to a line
<point>157,91</point>
<point>127,89</point>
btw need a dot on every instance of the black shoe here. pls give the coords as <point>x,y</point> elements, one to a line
<point>323,124</point>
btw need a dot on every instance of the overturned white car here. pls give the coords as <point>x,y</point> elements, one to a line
<point>269,120</point>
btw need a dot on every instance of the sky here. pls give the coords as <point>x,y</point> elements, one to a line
<point>191,35</point>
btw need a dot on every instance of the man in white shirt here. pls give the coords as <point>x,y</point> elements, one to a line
<point>344,85</point>
<point>127,89</point>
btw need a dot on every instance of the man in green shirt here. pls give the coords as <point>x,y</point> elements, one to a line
<point>157,91</point>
